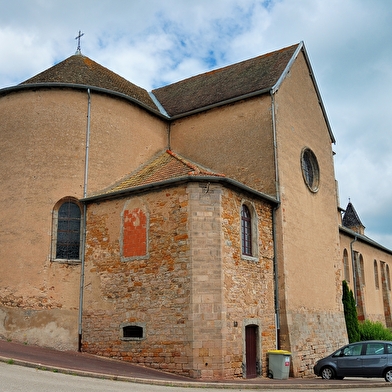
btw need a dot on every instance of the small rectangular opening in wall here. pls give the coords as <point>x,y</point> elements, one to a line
<point>133,331</point>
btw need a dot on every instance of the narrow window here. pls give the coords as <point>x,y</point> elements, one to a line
<point>346,266</point>
<point>66,231</point>
<point>246,231</point>
<point>388,278</point>
<point>376,279</point>
<point>362,269</point>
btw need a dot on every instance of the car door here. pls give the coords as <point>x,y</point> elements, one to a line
<point>349,363</point>
<point>374,359</point>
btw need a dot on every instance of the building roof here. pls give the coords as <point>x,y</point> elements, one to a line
<point>363,238</point>
<point>169,169</point>
<point>166,166</point>
<point>255,75</point>
<point>81,70</point>
<point>237,80</point>
<point>259,75</point>
<point>351,218</point>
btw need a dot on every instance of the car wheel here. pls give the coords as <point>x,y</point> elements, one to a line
<point>388,375</point>
<point>328,373</point>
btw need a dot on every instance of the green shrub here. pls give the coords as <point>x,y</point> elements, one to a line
<point>350,314</point>
<point>370,330</point>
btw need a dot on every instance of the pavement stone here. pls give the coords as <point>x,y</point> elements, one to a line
<point>83,364</point>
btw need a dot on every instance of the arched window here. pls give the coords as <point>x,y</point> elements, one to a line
<point>246,231</point>
<point>376,279</point>
<point>346,266</point>
<point>66,236</point>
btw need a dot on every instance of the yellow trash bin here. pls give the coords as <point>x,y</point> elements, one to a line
<point>279,364</point>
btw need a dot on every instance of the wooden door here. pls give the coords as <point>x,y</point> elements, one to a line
<point>251,350</point>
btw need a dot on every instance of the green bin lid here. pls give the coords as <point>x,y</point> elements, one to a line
<point>282,352</point>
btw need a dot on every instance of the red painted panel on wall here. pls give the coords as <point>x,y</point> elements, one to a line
<point>134,233</point>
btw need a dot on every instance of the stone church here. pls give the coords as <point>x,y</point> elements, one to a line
<point>191,228</point>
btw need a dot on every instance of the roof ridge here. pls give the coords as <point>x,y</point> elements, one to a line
<point>228,66</point>
<point>195,169</point>
<point>166,166</point>
<point>248,77</point>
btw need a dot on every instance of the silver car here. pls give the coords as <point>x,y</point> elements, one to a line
<point>372,358</point>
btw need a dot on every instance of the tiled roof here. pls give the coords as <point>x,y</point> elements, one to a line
<point>167,166</point>
<point>257,74</point>
<point>235,81</point>
<point>81,70</point>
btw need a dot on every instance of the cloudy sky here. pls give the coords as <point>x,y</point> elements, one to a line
<point>155,42</point>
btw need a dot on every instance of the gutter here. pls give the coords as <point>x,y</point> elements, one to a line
<point>161,113</point>
<point>363,238</point>
<point>179,180</point>
<point>221,103</point>
<point>83,87</point>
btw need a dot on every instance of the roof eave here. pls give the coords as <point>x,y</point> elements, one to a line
<point>221,103</point>
<point>277,85</point>
<point>33,86</point>
<point>177,181</point>
<point>364,239</point>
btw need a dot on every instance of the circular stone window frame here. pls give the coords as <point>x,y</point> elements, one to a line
<point>309,163</point>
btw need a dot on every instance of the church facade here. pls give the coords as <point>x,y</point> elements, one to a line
<point>192,228</point>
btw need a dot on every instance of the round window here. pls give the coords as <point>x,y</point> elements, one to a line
<point>310,169</point>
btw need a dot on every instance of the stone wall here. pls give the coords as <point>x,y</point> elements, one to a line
<point>192,293</point>
<point>314,336</point>
<point>248,283</point>
<point>152,292</point>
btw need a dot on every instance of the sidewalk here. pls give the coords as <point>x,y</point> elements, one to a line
<point>83,364</point>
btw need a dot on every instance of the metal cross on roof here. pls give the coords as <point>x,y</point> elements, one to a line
<point>78,50</point>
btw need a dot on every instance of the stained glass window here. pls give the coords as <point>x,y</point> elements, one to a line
<point>68,231</point>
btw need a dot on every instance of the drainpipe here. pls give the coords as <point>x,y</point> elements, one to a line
<point>275,145</point>
<point>81,289</point>
<point>275,262</point>
<point>276,282</point>
<point>354,269</point>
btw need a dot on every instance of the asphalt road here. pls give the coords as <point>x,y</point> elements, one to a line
<point>14,378</point>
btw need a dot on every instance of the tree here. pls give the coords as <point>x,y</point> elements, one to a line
<point>350,314</point>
